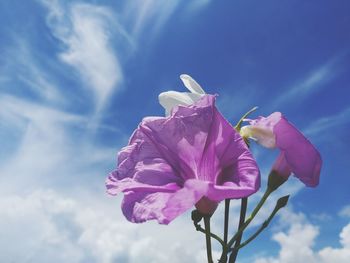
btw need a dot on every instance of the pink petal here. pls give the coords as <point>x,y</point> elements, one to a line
<point>298,155</point>
<point>193,157</point>
<point>302,157</point>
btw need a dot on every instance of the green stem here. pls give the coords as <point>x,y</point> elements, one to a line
<point>227,211</point>
<point>223,258</point>
<point>244,204</point>
<point>239,123</point>
<point>266,222</point>
<point>200,229</point>
<point>207,238</point>
<point>251,217</point>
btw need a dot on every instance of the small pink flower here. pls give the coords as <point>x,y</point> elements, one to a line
<point>297,156</point>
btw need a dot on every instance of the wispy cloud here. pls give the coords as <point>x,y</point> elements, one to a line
<point>151,16</point>
<point>44,143</point>
<point>90,33</point>
<point>345,211</point>
<point>196,5</point>
<point>313,81</point>
<point>325,123</point>
<point>86,31</point>
<point>24,72</point>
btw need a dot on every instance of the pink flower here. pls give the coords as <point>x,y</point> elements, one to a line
<point>297,156</point>
<point>193,157</point>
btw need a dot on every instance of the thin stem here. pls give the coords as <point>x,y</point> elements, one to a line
<point>251,217</point>
<point>200,229</point>
<point>244,204</point>
<point>266,222</point>
<point>223,258</point>
<point>207,238</point>
<point>239,123</point>
<point>227,210</point>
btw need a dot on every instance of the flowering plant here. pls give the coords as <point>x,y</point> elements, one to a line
<point>194,157</point>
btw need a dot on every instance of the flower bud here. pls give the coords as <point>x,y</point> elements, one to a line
<point>279,173</point>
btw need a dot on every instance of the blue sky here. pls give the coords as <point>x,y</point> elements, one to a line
<point>76,77</point>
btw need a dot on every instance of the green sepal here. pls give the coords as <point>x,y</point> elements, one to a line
<point>196,216</point>
<point>282,202</point>
<point>275,180</point>
<point>239,123</point>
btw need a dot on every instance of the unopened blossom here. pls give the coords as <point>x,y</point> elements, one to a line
<point>297,156</point>
<point>192,158</point>
<point>170,99</point>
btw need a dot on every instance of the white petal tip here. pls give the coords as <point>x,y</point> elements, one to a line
<point>185,77</point>
<point>191,84</point>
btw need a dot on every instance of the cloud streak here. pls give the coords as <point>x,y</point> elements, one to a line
<point>25,74</point>
<point>345,211</point>
<point>314,81</point>
<point>151,16</point>
<point>86,31</point>
<point>44,142</point>
<point>326,123</point>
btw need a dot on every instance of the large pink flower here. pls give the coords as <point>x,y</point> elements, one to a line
<point>297,156</point>
<point>192,157</point>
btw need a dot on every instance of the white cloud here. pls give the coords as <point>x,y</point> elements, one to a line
<point>297,245</point>
<point>345,211</point>
<point>46,150</point>
<point>86,31</point>
<point>339,255</point>
<point>29,231</point>
<point>56,228</point>
<point>314,81</point>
